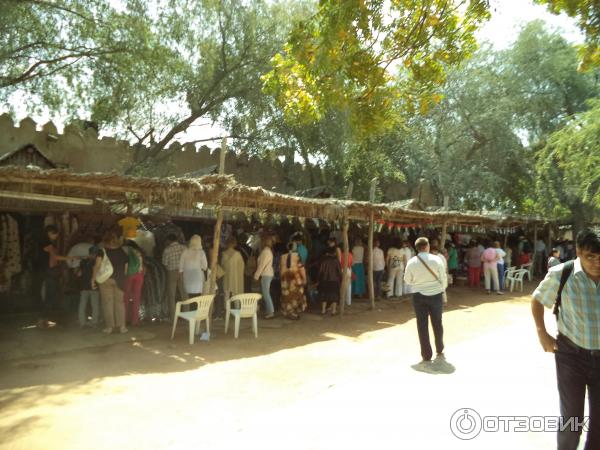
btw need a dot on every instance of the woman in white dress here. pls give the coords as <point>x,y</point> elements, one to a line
<point>395,265</point>
<point>192,265</point>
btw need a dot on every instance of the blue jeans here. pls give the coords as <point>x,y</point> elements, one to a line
<point>265,287</point>
<point>576,370</point>
<point>501,276</point>
<point>94,298</point>
<point>427,306</point>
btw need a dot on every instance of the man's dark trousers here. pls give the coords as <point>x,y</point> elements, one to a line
<point>429,306</point>
<point>576,370</point>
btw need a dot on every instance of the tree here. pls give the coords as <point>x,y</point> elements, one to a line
<point>139,74</point>
<point>221,49</point>
<point>587,14</point>
<point>362,56</point>
<point>48,48</point>
<point>478,145</point>
<point>543,81</point>
<point>567,175</point>
<point>466,147</point>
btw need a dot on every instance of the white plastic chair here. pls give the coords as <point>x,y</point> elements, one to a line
<point>509,271</point>
<point>194,318</point>
<point>248,309</point>
<point>516,277</point>
<point>529,268</point>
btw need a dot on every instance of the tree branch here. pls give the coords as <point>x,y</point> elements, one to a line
<point>51,5</point>
<point>31,73</point>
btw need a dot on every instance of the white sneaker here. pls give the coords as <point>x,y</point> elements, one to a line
<point>499,292</point>
<point>123,330</point>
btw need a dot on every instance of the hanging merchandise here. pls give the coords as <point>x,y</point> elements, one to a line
<point>10,251</point>
<point>316,222</point>
<point>145,239</point>
<point>154,304</point>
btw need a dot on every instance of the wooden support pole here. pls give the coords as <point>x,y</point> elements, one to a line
<point>443,237</point>
<point>214,256</point>
<point>371,231</point>
<point>533,258</point>
<point>345,253</point>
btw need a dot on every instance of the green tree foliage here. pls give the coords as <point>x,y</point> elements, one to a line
<point>568,174</point>
<point>587,13</point>
<point>148,70</point>
<point>542,80</point>
<point>375,59</point>
<point>220,50</point>
<point>468,146</point>
<point>49,48</point>
<point>478,145</point>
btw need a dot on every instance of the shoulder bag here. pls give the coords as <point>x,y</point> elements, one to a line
<point>106,269</point>
<point>444,296</point>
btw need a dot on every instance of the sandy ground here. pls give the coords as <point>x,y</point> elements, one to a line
<point>337,383</point>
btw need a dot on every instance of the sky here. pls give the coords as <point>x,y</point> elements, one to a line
<point>501,31</point>
<point>509,15</point>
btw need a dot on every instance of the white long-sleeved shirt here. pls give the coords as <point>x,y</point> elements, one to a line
<point>192,265</point>
<point>264,264</point>
<point>421,280</point>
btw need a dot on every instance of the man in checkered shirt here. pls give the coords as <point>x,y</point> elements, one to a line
<point>577,346</point>
<point>170,259</point>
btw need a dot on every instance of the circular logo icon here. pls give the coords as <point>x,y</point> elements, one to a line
<point>465,424</point>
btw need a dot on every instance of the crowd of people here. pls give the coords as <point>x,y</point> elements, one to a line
<point>294,272</point>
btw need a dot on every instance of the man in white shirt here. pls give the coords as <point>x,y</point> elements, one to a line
<point>378,268</point>
<point>427,276</point>
<point>540,256</point>
<point>407,253</point>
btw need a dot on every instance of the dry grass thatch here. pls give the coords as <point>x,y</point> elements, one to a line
<point>212,190</point>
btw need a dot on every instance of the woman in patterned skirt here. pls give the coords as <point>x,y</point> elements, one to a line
<point>293,281</point>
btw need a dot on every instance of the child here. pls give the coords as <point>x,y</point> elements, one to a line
<point>554,258</point>
<point>88,290</point>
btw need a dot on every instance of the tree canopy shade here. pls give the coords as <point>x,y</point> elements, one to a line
<point>49,48</point>
<point>365,55</point>
<point>568,168</point>
<point>587,13</point>
<point>144,70</point>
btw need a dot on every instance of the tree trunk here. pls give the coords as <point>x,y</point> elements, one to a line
<point>309,167</point>
<point>370,262</point>
<point>371,231</point>
<point>581,219</point>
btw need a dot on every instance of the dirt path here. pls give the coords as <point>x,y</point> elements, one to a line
<point>315,384</point>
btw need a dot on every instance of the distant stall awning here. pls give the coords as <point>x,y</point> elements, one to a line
<point>212,191</point>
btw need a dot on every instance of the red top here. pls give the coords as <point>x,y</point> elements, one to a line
<point>524,259</point>
<point>349,259</point>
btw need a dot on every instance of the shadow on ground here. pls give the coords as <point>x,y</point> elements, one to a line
<point>149,350</point>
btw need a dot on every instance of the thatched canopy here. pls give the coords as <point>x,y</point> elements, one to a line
<point>179,194</point>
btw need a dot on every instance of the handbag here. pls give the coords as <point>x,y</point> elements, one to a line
<point>106,269</point>
<point>444,296</point>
